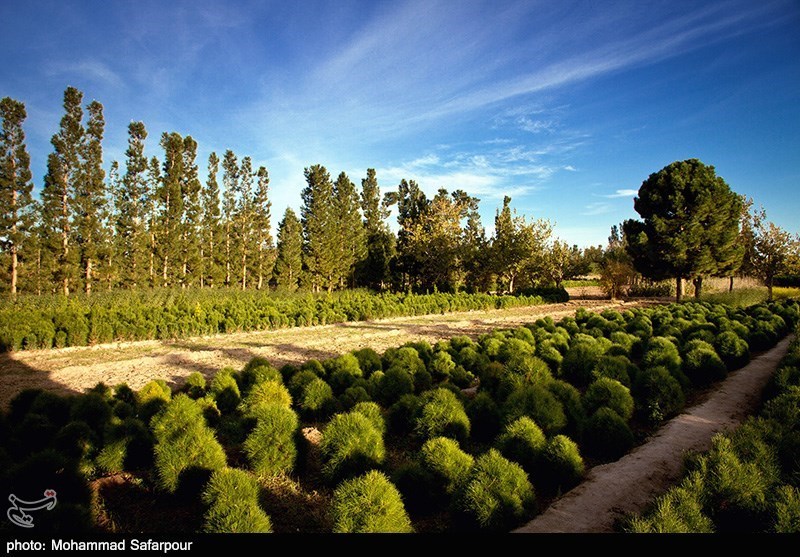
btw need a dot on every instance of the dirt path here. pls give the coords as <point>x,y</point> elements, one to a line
<point>136,363</point>
<point>612,490</point>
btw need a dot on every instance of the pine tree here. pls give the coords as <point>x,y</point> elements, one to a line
<point>475,254</point>
<point>89,197</point>
<point>243,219</point>
<point>152,219</point>
<point>230,181</point>
<point>209,251</point>
<point>689,227</point>
<point>192,215</point>
<point>411,205</point>
<point>319,229</point>
<point>170,203</point>
<point>289,262</point>
<point>131,202</point>
<point>109,270</point>
<point>349,229</point>
<point>16,204</point>
<point>63,172</point>
<point>264,248</point>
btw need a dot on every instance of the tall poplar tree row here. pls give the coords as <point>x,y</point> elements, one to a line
<point>262,235</point>
<point>192,214</point>
<point>209,249</point>
<point>230,181</point>
<point>349,230</point>
<point>380,242</point>
<point>289,260</point>
<point>16,204</point>
<point>319,229</point>
<point>170,203</point>
<point>131,203</point>
<point>243,222</point>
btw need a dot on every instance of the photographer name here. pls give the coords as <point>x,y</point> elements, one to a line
<point>100,545</point>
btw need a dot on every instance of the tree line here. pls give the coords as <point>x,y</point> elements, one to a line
<point>154,222</point>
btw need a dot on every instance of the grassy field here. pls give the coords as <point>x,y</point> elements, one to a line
<point>750,296</point>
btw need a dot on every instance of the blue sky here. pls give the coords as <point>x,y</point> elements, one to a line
<point>565,106</point>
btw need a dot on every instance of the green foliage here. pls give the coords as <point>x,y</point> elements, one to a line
<point>703,366</point>
<point>270,447</point>
<point>448,465</point>
<point>608,393</point>
<point>561,464</point>
<point>225,390</point>
<point>607,435</point>
<point>615,367</point>
<point>442,414</point>
<point>441,366</point>
<point>732,349</point>
<point>267,393</point>
<point>351,445</point>
<point>537,403</point>
<point>484,417</point>
<point>183,441</point>
<point>570,399</point>
<point>787,510</point>
<point>369,361</point>
<point>498,494</point>
<point>232,499</point>
<point>342,371</point>
<point>369,504</point>
<point>255,372</point>
<point>317,400</point>
<point>679,511</point>
<point>196,385</point>
<point>579,362</point>
<point>92,409</point>
<point>402,415</point>
<point>373,413</point>
<point>523,442</point>
<point>658,394</point>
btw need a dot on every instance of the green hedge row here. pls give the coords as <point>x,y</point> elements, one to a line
<point>33,322</point>
<point>750,480</point>
<point>549,396</point>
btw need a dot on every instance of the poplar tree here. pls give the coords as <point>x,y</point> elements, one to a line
<point>151,218</point>
<point>262,207</point>
<point>209,249</point>
<point>243,220</point>
<point>16,204</point>
<point>380,242</point>
<point>689,227</point>
<point>89,198</point>
<point>289,261</point>
<point>319,229</point>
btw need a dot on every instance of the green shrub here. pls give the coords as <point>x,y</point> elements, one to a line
<point>523,442</point>
<point>514,347</point>
<point>92,409</point>
<point>570,399</point>
<point>442,414</point>
<point>441,366</point>
<point>129,446</point>
<point>395,383</point>
<point>196,385</point>
<point>549,354</point>
<point>448,465</point>
<point>183,441</point>
<point>253,375</point>
<point>658,395</point>
<point>532,369</point>
<point>156,389</point>
<point>537,403</point>
<point>676,512</point>
<point>786,510</point>
<point>369,504</point>
<point>56,408</point>
<point>225,390</point>
<point>732,349</point>
<point>615,367</point>
<point>609,393</point>
<point>267,393</point>
<point>352,396</point>
<point>579,361</point>
<point>351,445</point>
<point>342,371</point>
<point>317,400</point>
<point>607,435</point>
<point>402,415</point>
<point>298,381</point>
<point>270,447</point>
<point>368,360</point>
<point>76,441</point>
<point>462,378</point>
<point>561,465</point>
<point>232,499</point>
<point>498,494</point>
<point>484,417</point>
<point>662,352</point>
<point>373,413</point>
<point>703,366</point>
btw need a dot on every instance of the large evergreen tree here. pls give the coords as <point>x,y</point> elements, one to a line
<point>349,229</point>
<point>411,205</point>
<point>689,227</point>
<point>319,229</point>
<point>170,203</point>
<point>16,204</point>
<point>132,245</point>
<point>243,220</point>
<point>89,198</point>
<point>375,269</point>
<point>63,173</point>
<point>230,181</point>
<point>192,215</point>
<point>289,261</point>
<point>262,233</point>
<point>211,233</point>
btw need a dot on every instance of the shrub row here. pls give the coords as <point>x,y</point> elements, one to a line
<point>55,321</point>
<point>750,480</point>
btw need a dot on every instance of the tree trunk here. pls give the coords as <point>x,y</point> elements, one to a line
<point>730,285</point>
<point>65,241</point>
<point>13,271</point>
<point>511,284</point>
<point>769,289</point>
<point>698,287</point>
<point>202,267</point>
<point>678,289</point>
<point>88,277</point>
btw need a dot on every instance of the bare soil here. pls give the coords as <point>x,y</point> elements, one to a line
<point>76,369</point>
<point>611,491</point>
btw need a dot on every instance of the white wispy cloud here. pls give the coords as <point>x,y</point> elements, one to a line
<point>621,193</point>
<point>92,70</point>
<point>599,208</point>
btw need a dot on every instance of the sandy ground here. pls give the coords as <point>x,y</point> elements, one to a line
<point>135,363</point>
<point>610,491</point>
